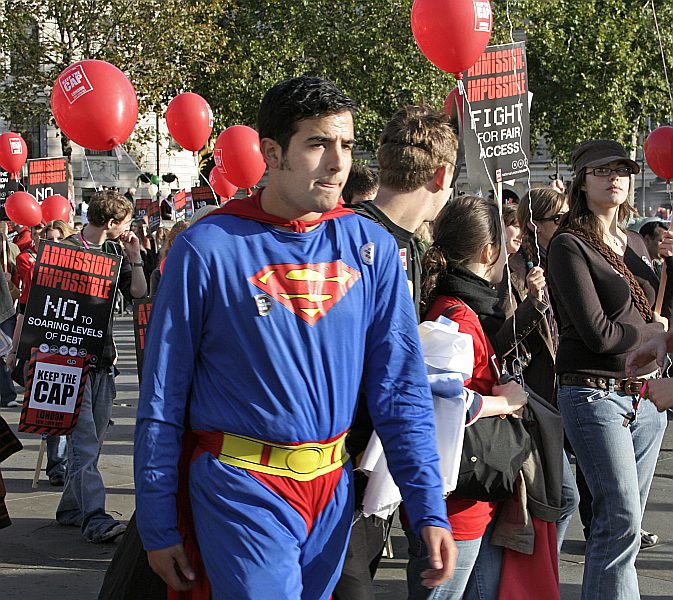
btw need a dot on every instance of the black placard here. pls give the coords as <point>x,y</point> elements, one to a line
<point>141,317</point>
<point>70,301</point>
<point>497,124</point>
<point>202,196</point>
<point>47,177</point>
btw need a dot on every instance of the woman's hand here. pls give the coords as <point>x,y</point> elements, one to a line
<point>654,349</point>
<point>666,244</point>
<point>514,396</point>
<point>536,282</point>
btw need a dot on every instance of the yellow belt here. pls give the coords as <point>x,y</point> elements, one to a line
<point>302,462</point>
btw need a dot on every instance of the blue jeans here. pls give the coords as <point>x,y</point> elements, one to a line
<point>83,501</point>
<point>57,455</point>
<point>618,463</point>
<point>571,498</point>
<point>476,576</point>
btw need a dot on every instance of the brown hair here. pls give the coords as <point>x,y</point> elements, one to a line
<point>465,227</point>
<point>414,144</point>
<point>60,226</point>
<point>178,228</point>
<point>543,202</point>
<point>509,216</point>
<point>108,204</point>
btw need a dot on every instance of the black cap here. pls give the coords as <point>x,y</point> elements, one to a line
<point>600,152</point>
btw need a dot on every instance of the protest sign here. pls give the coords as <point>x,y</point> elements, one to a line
<point>142,206</point>
<point>53,395</point>
<point>70,301</point>
<point>497,127</point>
<point>154,215</point>
<point>141,317</point>
<point>7,187</point>
<point>202,196</point>
<point>180,205</point>
<point>148,209</point>
<point>47,177</point>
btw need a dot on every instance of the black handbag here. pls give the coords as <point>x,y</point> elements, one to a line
<point>494,450</point>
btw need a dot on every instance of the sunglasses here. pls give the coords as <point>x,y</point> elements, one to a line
<point>556,218</point>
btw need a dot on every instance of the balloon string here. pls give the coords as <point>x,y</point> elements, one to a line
<point>530,208</point>
<point>528,177</point>
<point>663,57</point>
<point>133,162</point>
<point>202,176</point>
<point>86,160</point>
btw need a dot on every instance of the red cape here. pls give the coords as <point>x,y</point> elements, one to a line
<point>251,208</point>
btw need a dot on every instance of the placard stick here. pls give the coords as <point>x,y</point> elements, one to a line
<point>40,460</point>
<point>662,286</point>
<point>662,281</point>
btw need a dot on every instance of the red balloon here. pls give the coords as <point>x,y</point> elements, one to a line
<point>453,105</point>
<point>237,148</point>
<point>56,207</point>
<point>13,152</point>
<point>659,151</point>
<point>190,120</point>
<point>219,183</point>
<point>94,104</point>
<point>452,33</point>
<point>22,208</point>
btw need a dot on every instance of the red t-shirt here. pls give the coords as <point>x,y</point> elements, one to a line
<point>469,518</point>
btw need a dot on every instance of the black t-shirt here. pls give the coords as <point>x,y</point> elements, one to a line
<point>410,254</point>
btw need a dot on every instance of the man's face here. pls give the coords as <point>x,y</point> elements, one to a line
<point>652,242</point>
<point>116,228</point>
<point>315,166</point>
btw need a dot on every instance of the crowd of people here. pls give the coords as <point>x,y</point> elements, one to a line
<point>284,345</point>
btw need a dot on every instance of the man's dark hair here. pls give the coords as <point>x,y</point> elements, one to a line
<point>106,205</point>
<point>361,181</point>
<point>649,228</point>
<point>292,100</point>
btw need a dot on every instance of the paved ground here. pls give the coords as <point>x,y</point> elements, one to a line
<point>40,558</point>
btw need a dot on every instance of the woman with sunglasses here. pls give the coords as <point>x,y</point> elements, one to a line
<point>603,291</point>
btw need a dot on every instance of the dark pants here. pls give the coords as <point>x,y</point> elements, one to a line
<point>368,538</point>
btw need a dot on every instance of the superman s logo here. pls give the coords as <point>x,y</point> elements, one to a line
<point>309,290</point>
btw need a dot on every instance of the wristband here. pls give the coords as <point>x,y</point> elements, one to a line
<point>137,264</point>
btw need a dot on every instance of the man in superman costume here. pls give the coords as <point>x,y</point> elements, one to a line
<point>266,312</point>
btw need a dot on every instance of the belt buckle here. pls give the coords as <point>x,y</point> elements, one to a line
<point>304,460</point>
<point>631,385</point>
